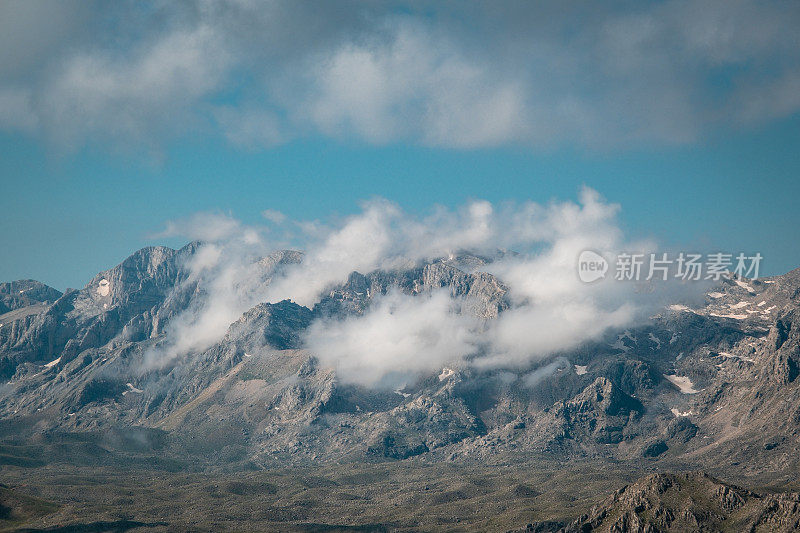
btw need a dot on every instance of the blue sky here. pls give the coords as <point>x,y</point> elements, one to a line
<point>117,119</point>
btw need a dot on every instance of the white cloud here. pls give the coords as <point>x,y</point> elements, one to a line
<point>154,86</point>
<point>205,226</point>
<point>401,335</point>
<point>413,85</point>
<point>141,96</point>
<point>552,310</point>
<point>535,74</point>
<point>274,216</point>
<point>226,277</point>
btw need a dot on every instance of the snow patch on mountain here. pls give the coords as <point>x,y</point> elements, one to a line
<point>745,286</point>
<point>683,383</point>
<point>104,287</point>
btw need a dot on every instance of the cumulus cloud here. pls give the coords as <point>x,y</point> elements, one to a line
<point>132,94</point>
<point>413,85</point>
<point>383,236</point>
<point>227,275</point>
<point>551,311</point>
<point>460,75</point>
<point>402,335</point>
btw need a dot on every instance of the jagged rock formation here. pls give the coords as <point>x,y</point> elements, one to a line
<point>25,293</point>
<point>484,295</point>
<point>689,502</point>
<point>124,299</point>
<point>715,384</point>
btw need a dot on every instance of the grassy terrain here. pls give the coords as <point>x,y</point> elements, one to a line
<point>124,492</point>
<point>125,482</point>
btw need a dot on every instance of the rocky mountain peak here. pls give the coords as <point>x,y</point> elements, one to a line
<point>23,293</point>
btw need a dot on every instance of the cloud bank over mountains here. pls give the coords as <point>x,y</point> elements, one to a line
<point>402,335</point>
<point>456,75</point>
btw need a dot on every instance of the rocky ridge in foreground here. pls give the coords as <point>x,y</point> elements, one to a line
<point>691,501</point>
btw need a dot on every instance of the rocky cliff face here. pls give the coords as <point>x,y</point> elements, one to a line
<point>483,294</point>
<point>125,299</point>
<point>689,502</point>
<point>25,293</point>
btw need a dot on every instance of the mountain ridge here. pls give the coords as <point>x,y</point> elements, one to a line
<point>710,387</point>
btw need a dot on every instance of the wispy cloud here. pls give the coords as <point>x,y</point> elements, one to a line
<point>404,334</point>
<point>400,337</point>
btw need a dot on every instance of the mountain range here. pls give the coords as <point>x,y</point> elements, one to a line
<point>694,395</point>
